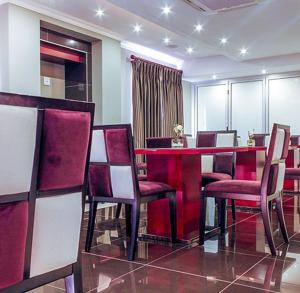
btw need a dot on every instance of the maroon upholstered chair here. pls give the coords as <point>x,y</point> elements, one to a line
<point>267,190</point>
<point>113,178</point>
<point>260,139</point>
<point>220,166</point>
<point>295,140</point>
<point>44,150</point>
<point>162,142</point>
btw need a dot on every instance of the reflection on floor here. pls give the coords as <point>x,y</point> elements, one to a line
<point>239,261</point>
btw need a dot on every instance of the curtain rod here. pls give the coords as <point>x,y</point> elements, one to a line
<point>133,57</point>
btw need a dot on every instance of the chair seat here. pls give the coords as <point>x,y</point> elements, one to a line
<point>141,166</point>
<point>234,186</point>
<point>292,173</point>
<point>142,177</point>
<point>214,176</point>
<point>152,188</point>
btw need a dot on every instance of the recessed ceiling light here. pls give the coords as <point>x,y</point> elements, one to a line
<point>166,10</point>
<point>190,50</point>
<point>71,42</point>
<point>214,76</point>
<point>264,71</point>
<point>243,51</point>
<point>167,40</point>
<point>198,27</point>
<point>137,28</point>
<point>100,12</point>
<point>224,41</point>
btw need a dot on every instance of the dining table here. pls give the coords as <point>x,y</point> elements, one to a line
<point>181,169</point>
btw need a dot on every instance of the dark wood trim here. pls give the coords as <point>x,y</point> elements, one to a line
<point>11,198</point>
<point>55,192</point>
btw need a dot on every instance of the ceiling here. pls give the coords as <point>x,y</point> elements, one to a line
<point>268,30</point>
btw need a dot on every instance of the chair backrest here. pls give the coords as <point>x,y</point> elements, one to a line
<point>274,169</point>
<point>44,151</point>
<point>112,172</point>
<point>295,140</point>
<point>162,142</point>
<point>222,163</point>
<point>261,139</point>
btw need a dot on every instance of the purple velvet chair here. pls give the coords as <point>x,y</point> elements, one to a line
<point>44,150</point>
<point>220,166</point>
<point>162,142</point>
<point>113,178</point>
<point>266,191</point>
<point>261,139</point>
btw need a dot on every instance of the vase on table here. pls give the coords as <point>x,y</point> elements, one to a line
<point>178,141</point>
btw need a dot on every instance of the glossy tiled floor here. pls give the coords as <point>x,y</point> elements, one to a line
<point>236,262</point>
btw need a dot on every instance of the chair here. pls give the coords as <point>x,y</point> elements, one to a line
<point>267,190</point>
<point>162,142</point>
<point>261,139</point>
<point>220,166</point>
<point>44,154</point>
<point>113,178</point>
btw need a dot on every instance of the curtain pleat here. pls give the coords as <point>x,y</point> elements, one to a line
<point>157,100</point>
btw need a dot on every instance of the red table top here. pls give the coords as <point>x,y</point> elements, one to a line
<point>196,151</point>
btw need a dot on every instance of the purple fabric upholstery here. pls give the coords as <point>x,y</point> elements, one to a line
<point>99,180</point>
<point>162,142</point>
<point>259,139</point>
<point>151,188</point>
<point>117,146</point>
<point>13,231</point>
<point>273,178</point>
<point>235,186</point>
<point>206,139</point>
<point>224,164</point>
<point>212,177</point>
<point>292,173</point>
<point>142,177</point>
<point>64,149</point>
<point>295,140</point>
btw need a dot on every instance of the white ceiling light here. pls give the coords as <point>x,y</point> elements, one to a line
<point>214,76</point>
<point>243,51</point>
<point>137,28</point>
<point>167,40</point>
<point>198,27</point>
<point>100,12</point>
<point>264,71</point>
<point>190,50</point>
<point>224,41</point>
<point>166,10</point>
<point>153,54</point>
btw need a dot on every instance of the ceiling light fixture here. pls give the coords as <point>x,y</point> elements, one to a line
<point>166,10</point>
<point>214,76</point>
<point>198,27</point>
<point>243,51</point>
<point>264,71</point>
<point>190,50</point>
<point>224,41</point>
<point>100,12</point>
<point>167,40</point>
<point>137,28</point>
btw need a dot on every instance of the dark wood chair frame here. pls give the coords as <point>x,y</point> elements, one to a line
<point>232,173</point>
<point>71,273</point>
<point>264,198</point>
<point>132,206</point>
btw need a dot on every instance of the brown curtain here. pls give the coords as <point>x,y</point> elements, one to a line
<point>157,100</point>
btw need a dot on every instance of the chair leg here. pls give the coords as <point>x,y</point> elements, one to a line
<point>91,225</point>
<point>267,225</point>
<point>118,211</point>
<point>233,209</point>
<point>135,220</point>
<point>281,220</point>
<point>173,217</point>
<point>73,283</point>
<point>203,201</point>
<point>222,214</point>
<point>128,219</point>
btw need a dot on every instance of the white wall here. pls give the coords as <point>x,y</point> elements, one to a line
<point>188,112</point>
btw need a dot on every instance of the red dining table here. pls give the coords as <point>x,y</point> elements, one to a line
<point>181,169</point>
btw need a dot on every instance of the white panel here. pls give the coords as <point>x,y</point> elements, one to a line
<point>247,110</point>
<point>284,103</point>
<point>207,164</point>
<point>278,144</point>
<point>212,107</point>
<point>191,142</point>
<point>280,180</point>
<point>267,141</point>
<point>98,149</point>
<point>56,232</point>
<point>17,145</point>
<point>225,140</point>
<point>122,181</point>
